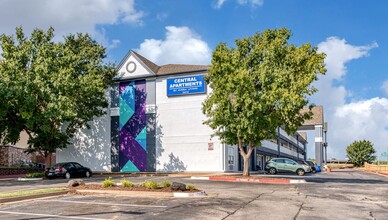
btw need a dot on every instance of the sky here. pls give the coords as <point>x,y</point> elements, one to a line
<point>353,34</point>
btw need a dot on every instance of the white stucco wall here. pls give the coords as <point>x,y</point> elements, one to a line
<point>182,139</point>
<point>90,147</point>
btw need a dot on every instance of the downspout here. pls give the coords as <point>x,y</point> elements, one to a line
<point>297,146</point>
<point>278,140</point>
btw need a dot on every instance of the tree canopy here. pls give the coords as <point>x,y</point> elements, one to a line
<point>50,89</point>
<point>360,152</point>
<point>258,86</point>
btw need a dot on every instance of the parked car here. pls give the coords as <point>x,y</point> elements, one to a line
<point>276,165</point>
<point>68,170</point>
<point>312,165</point>
<point>300,161</point>
<point>317,168</point>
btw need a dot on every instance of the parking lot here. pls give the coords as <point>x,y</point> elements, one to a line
<point>347,194</point>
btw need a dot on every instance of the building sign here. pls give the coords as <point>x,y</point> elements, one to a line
<point>186,85</point>
<point>210,146</point>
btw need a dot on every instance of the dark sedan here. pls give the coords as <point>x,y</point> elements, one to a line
<point>68,170</point>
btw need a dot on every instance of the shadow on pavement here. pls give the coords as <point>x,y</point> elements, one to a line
<point>345,180</point>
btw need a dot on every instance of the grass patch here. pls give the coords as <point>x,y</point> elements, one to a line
<point>340,166</point>
<point>126,183</point>
<point>165,184</point>
<point>150,184</point>
<point>108,183</point>
<point>191,187</point>
<point>29,192</point>
<point>35,175</point>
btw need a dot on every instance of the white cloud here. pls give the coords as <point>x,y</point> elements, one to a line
<point>67,16</point>
<point>366,119</point>
<point>181,46</point>
<point>253,3</point>
<point>162,16</point>
<point>339,52</point>
<point>384,87</point>
<point>356,120</point>
<point>219,3</point>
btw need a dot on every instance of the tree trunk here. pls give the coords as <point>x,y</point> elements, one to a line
<point>47,159</point>
<point>246,166</point>
<point>246,156</point>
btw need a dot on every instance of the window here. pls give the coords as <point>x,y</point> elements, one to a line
<point>77,165</point>
<point>289,162</point>
<point>230,159</point>
<point>279,161</point>
<point>69,166</point>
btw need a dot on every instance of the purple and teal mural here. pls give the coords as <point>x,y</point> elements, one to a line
<point>132,127</point>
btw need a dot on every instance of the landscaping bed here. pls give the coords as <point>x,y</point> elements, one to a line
<point>133,188</point>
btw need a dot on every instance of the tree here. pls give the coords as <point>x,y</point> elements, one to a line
<point>258,86</point>
<point>360,152</point>
<point>50,89</point>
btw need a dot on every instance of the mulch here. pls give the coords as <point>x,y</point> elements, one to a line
<point>122,188</point>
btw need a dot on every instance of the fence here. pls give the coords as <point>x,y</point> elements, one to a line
<point>376,168</point>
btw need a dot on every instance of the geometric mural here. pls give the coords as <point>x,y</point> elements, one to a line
<point>132,126</point>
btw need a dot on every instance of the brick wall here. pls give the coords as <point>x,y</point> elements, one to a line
<point>13,171</point>
<point>3,156</point>
<point>13,156</point>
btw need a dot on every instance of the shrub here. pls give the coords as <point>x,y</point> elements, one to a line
<point>150,184</point>
<point>108,182</point>
<point>126,183</point>
<point>191,187</point>
<point>35,175</point>
<point>165,184</point>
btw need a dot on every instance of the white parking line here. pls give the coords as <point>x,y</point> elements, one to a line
<point>103,203</point>
<point>47,215</point>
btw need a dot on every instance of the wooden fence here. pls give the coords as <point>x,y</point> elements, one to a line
<point>376,168</point>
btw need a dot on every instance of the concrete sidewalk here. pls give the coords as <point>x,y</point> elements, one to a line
<point>11,177</point>
<point>250,179</point>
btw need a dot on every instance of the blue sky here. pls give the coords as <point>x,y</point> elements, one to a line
<point>352,33</point>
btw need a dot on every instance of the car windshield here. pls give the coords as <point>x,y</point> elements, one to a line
<point>58,165</point>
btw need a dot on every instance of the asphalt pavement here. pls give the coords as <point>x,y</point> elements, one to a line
<point>342,194</point>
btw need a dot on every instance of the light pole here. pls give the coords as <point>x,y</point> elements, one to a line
<point>325,129</point>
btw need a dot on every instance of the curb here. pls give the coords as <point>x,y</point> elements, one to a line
<point>377,173</point>
<point>144,193</point>
<point>29,179</point>
<point>251,180</point>
<point>36,196</point>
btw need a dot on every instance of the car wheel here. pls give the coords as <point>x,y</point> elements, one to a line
<point>87,174</point>
<point>67,175</point>
<point>272,170</point>
<point>300,172</point>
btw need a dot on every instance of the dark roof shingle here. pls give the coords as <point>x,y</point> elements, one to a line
<point>170,68</point>
<point>180,68</point>
<point>152,66</point>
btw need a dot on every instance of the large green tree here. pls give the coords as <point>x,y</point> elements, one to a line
<point>360,152</point>
<point>50,89</point>
<point>258,86</point>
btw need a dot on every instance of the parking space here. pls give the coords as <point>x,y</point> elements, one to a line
<point>86,207</point>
